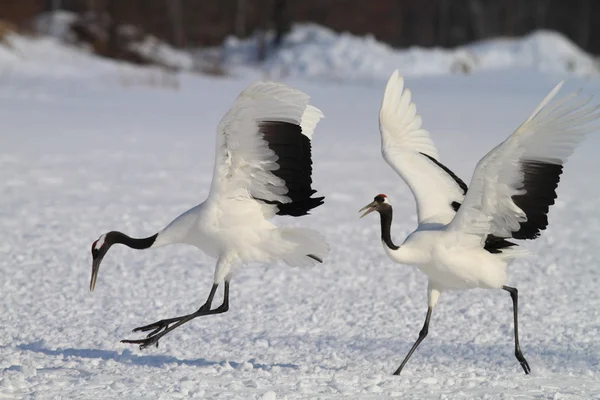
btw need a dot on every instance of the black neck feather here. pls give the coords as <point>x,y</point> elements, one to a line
<point>386,215</point>
<point>138,244</point>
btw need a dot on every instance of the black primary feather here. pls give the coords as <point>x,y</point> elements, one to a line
<point>293,150</point>
<point>540,180</point>
<point>493,244</point>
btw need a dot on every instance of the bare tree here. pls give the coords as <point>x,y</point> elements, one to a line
<point>91,5</point>
<point>240,18</point>
<point>112,42</point>
<point>584,23</point>
<point>443,27</point>
<point>280,21</point>
<point>477,11</point>
<point>174,8</point>
<point>540,13</point>
<point>486,18</point>
<point>56,5</point>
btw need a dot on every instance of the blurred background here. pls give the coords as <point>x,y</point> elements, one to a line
<point>137,31</point>
<point>108,117</point>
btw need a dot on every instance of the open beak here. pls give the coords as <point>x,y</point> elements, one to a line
<point>95,268</point>
<point>369,207</point>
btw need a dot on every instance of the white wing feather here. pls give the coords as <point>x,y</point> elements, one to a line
<point>404,145</point>
<point>549,135</point>
<point>233,221</point>
<point>243,161</point>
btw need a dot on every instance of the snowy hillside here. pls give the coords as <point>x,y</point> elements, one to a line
<point>314,51</point>
<point>82,154</point>
<point>27,59</point>
<point>309,51</point>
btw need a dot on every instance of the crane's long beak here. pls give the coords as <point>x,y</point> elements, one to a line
<point>369,207</point>
<point>95,268</point>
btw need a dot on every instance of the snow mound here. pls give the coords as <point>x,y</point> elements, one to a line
<point>26,59</point>
<point>41,57</point>
<point>160,52</point>
<point>60,25</point>
<point>308,51</point>
<point>545,51</point>
<point>56,24</point>
<point>56,53</point>
<point>313,51</point>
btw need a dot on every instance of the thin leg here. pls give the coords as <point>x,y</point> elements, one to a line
<point>162,327</point>
<point>514,294</point>
<point>422,336</point>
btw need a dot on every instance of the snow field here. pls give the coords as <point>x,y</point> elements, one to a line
<point>80,156</point>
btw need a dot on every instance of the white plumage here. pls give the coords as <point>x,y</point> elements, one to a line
<point>409,150</point>
<point>232,222</point>
<point>548,136</point>
<point>510,193</point>
<point>262,168</point>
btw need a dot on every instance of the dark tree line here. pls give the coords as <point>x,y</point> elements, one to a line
<point>401,23</point>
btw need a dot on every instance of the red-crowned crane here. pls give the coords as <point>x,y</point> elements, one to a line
<point>263,168</point>
<point>461,239</point>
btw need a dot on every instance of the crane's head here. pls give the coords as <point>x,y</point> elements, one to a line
<point>379,203</point>
<point>99,249</point>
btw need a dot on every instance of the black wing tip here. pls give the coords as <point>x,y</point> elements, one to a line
<point>299,208</point>
<point>294,162</point>
<point>317,259</point>
<point>540,180</point>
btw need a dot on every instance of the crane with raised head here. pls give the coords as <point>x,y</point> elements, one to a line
<point>464,234</point>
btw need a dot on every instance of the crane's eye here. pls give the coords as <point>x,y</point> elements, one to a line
<point>95,253</point>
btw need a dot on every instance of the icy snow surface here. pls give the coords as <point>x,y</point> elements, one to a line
<point>80,157</point>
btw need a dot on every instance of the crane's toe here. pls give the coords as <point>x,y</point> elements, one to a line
<point>523,362</point>
<point>159,329</point>
<point>143,342</point>
<point>157,326</point>
<point>525,366</point>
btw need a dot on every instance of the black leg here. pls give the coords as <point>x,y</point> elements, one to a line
<point>514,294</point>
<point>162,327</point>
<point>422,336</point>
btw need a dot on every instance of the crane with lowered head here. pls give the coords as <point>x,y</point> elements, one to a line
<point>263,168</point>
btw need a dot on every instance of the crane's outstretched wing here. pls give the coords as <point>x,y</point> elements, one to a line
<point>409,150</point>
<point>264,150</point>
<point>514,185</point>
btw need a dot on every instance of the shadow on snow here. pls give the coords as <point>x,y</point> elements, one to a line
<point>128,357</point>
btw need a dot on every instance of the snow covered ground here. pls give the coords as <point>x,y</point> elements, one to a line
<point>82,154</point>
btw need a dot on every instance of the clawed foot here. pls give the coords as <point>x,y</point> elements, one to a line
<point>164,326</point>
<point>524,364</point>
<point>143,342</point>
<point>522,361</point>
<point>159,329</point>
